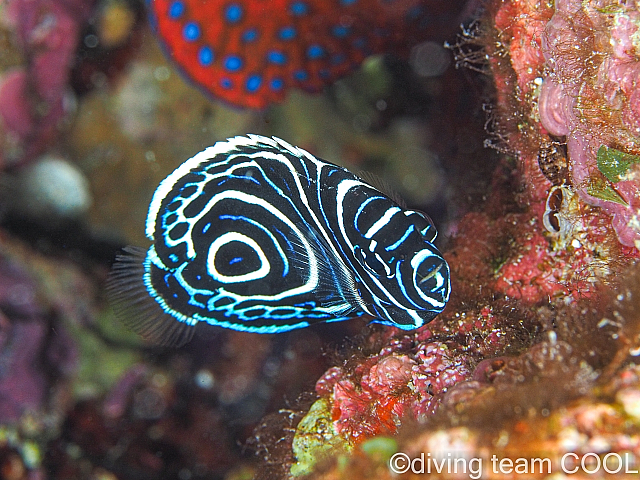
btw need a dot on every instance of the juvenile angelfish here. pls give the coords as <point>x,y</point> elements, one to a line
<point>256,235</point>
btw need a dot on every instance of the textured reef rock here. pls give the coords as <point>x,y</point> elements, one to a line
<point>567,81</point>
<point>51,52</point>
<point>534,355</point>
<point>573,393</point>
<point>591,95</point>
<point>39,353</point>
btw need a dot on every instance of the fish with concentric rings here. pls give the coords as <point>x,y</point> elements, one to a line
<point>257,235</point>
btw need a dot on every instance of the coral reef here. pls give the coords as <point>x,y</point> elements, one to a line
<point>592,97</point>
<point>598,420</point>
<point>570,73</point>
<point>535,355</point>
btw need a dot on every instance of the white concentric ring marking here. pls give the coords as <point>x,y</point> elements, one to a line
<point>416,261</point>
<point>312,281</point>
<point>226,238</point>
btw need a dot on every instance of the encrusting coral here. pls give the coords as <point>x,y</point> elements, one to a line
<point>535,322</point>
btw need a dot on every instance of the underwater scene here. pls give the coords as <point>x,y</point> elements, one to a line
<point>324,239</point>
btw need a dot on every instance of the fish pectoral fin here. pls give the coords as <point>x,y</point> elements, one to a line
<point>135,307</point>
<point>339,308</point>
<point>336,290</point>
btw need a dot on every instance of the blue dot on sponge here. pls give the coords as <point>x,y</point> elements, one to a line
<point>287,33</point>
<point>338,58</point>
<point>176,10</point>
<point>340,31</point>
<point>315,51</point>
<point>277,84</point>
<point>254,82</point>
<point>250,35</point>
<point>277,57</point>
<point>299,9</point>
<point>300,75</point>
<point>205,56</point>
<point>233,63</point>
<point>233,13</point>
<point>191,32</point>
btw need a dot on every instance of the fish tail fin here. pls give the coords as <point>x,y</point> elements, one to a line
<point>134,306</point>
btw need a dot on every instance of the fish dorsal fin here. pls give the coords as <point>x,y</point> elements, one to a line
<point>139,311</point>
<point>382,186</point>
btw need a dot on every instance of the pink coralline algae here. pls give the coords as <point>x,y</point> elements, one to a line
<point>594,429</point>
<point>410,375</point>
<point>591,94</point>
<point>568,76</point>
<point>578,207</point>
<point>457,385</point>
<point>438,370</point>
<point>34,97</point>
<point>386,387</point>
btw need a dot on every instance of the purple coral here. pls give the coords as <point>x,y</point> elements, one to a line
<point>33,97</point>
<point>22,384</point>
<point>22,338</point>
<point>29,358</point>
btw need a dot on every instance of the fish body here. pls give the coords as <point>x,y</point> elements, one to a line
<point>251,52</point>
<point>256,235</point>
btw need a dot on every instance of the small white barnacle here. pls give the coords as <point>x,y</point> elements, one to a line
<point>562,213</point>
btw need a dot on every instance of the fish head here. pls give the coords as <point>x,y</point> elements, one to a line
<point>405,279</point>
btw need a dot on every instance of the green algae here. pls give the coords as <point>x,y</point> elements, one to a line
<point>599,188</point>
<point>316,439</point>
<point>615,164</point>
<point>380,449</point>
<point>30,451</point>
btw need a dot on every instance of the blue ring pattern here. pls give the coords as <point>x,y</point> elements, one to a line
<point>303,250</point>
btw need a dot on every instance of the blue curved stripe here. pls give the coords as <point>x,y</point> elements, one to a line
<point>402,239</point>
<point>362,206</point>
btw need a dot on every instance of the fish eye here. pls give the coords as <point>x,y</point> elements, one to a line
<point>426,217</point>
<point>424,224</point>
